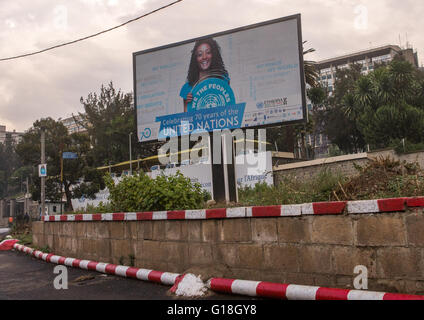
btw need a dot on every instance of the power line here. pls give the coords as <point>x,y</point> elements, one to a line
<point>91,36</point>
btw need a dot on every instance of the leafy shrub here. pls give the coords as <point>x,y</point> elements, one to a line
<point>141,193</point>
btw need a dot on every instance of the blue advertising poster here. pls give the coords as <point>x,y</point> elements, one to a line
<point>249,77</point>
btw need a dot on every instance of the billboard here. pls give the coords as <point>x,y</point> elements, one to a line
<point>248,77</point>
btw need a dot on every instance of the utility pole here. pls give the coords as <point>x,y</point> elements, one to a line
<point>27,196</point>
<point>61,178</point>
<point>130,154</point>
<point>43,179</point>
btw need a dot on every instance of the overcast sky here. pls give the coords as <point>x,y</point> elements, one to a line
<point>52,83</point>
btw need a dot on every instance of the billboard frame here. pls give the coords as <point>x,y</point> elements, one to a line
<point>296,17</point>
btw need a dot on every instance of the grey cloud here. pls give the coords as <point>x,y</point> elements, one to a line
<point>51,84</point>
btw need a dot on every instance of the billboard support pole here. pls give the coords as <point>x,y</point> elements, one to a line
<point>224,170</point>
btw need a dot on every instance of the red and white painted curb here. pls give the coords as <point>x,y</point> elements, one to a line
<point>7,244</point>
<point>316,208</point>
<point>298,292</point>
<point>230,286</point>
<point>376,206</point>
<point>157,215</point>
<point>165,278</point>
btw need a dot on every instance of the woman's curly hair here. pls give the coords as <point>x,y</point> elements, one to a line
<point>217,65</point>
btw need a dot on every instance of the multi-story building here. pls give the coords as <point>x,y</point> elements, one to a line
<point>72,125</point>
<point>368,59</point>
<point>12,136</point>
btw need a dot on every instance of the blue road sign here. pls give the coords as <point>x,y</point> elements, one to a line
<point>70,155</point>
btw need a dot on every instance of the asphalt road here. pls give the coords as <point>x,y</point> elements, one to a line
<point>24,281</point>
<point>23,277</point>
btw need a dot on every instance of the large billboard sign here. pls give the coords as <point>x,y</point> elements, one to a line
<point>248,77</point>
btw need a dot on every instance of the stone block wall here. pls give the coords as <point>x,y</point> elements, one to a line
<point>342,164</point>
<point>306,250</point>
<point>346,168</point>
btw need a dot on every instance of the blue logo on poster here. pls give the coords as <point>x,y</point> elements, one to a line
<point>210,93</point>
<point>145,134</point>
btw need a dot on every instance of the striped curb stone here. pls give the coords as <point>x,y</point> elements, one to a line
<point>299,292</point>
<point>7,244</point>
<point>319,208</point>
<point>376,206</point>
<point>165,278</point>
<point>415,202</point>
<point>315,208</point>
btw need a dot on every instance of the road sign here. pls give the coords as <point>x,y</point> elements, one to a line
<point>70,155</point>
<point>42,170</point>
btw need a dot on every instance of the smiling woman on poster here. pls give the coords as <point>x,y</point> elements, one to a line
<point>208,82</point>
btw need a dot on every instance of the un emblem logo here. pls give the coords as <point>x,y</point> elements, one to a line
<point>211,93</point>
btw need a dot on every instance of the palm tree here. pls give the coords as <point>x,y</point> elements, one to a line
<point>311,74</point>
<point>389,104</point>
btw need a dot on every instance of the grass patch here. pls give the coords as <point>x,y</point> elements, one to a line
<point>380,178</point>
<point>292,191</point>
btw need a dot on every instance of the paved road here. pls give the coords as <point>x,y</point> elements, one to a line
<point>23,277</point>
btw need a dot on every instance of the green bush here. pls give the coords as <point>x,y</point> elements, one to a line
<point>141,193</point>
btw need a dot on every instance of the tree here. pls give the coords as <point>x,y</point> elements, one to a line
<point>9,162</point>
<point>311,74</point>
<point>376,109</point>
<point>78,176</point>
<point>109,118</point>
<point>390,100</point>
<point>341,111</point>
<point>317,95</point>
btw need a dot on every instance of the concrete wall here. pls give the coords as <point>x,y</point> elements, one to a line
<point>3,214</point>
<point>342,164</point>
<point>3,222</point>
<point>307,250</point>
